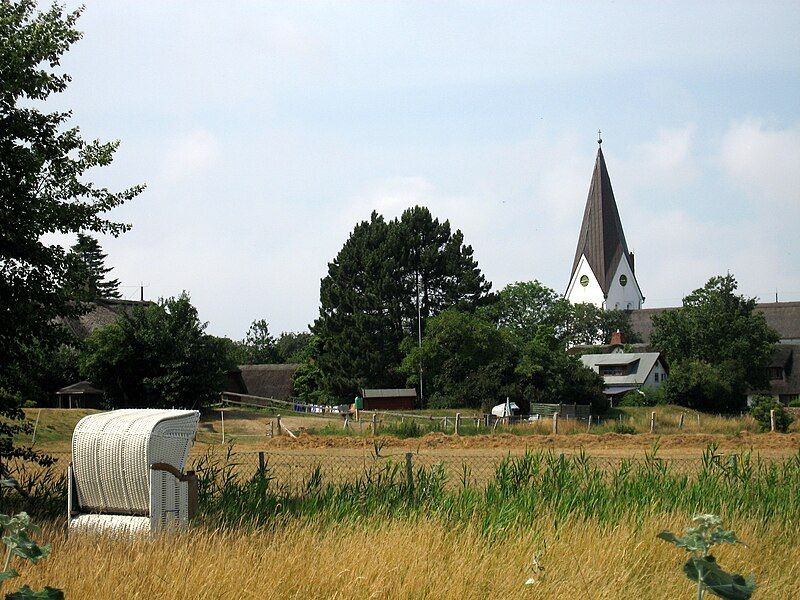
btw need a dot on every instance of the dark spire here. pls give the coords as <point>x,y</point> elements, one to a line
<point>601,239</point>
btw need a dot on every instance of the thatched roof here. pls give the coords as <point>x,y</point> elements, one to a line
<point>786,356</point>
<point>268,381</point>
<point>101,313</point>
<point>783,317</point>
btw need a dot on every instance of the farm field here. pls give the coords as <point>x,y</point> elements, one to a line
<point>411,559</point>
<point>246,431</point>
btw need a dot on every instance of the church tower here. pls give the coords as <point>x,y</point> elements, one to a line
<point>602,272</point>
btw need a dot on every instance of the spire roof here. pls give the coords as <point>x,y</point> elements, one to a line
<point>601,240</point>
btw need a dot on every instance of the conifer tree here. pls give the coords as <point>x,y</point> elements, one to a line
<point>93,270</point>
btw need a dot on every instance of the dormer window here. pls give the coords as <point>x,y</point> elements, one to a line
<point>613,370</point>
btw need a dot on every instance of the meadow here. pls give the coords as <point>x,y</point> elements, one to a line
<point>579,520</point>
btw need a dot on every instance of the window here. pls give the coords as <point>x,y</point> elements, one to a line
<point>613,369</point>
<point>775,373</point>
<point>655,375</point>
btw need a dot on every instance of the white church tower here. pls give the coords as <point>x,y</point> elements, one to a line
<point>602,272</point>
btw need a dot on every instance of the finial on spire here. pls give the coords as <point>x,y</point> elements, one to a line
<point>599,138</point>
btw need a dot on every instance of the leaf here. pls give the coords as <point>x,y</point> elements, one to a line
<point>717,581</point>
<point>26,593</point>
<point>11,573</point>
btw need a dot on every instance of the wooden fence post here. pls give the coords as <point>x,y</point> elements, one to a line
<point>653,422</point>
<point>261,462</point>
<point>589,426</point>
<point>458,423</point>
<point>698,420</point>
<point>358,420</point>
<point>278,424</point>
<point>680,420</point>
<point>222,420</point>
<point>772,420</point>
<point>444,424</point>
<point>374,424</point>
<point>555,422</point>
<point>409,472</point>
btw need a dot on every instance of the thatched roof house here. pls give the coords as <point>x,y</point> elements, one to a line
<point>101,313</point>
<point>266,381</point>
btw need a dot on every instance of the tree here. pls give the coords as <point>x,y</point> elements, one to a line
<point>717,327</point>
<point>549,375</point>
<point>156,356</point>
<point>259,344</point>
<point>93,271</point>
<point>44,189</point>
<point>703,386</point>
<point>524,306</point>
<point>589,324</point>
<point>468,361</point>
<point>385,275</point>
<point>291,346</point>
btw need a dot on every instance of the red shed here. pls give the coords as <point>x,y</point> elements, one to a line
<point>400,399</point>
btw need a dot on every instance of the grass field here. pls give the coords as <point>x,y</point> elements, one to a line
<point>408,560</point>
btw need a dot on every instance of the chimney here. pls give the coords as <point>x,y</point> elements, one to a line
<point>617,338</point>
<point>633,269</point>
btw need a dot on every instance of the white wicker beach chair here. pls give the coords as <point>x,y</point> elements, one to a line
<point>127,471</point>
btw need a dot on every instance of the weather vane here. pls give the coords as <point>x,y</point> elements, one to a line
<point>599,139</point>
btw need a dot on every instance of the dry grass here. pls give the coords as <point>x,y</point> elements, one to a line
<point>400,559</point>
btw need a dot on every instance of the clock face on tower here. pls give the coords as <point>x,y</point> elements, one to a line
<point>623,280</point>
<point>584,280</point>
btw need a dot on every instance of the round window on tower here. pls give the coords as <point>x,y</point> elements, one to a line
<point>623,280</point>
<point>584,280</point>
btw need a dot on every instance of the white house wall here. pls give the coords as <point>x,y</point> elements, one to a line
<point>658,369</point>
<point>592,293</point>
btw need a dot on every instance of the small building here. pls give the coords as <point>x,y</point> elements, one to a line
<point>624,372</point>
<point>80,395</point>
<point>389,399</point>
<point>265,381</point>
<point>783,371</point>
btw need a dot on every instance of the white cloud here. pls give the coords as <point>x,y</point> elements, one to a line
<point>189,154</point>
<point>764,163</point>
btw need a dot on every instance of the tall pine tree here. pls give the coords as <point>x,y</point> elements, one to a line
<point>93,270</point>
<point>368,300</point>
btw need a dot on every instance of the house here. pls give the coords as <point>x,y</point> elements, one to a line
<point>389,399</point>
<point>624,372</point>
<point>783,371</point>
<point>100,313</point>
<point>265,381</point>
<point>80,395</point>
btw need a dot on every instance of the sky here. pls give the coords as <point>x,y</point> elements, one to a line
<point>265,131</point>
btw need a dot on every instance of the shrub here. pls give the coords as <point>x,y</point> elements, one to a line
<point>703,386</point>
<point>795,403</point>
<point>403,429</point>
<point>762,405</point>
<point>624,428</point>
<point>643,397</point>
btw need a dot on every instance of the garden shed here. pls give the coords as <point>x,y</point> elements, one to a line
<point>389,399</point>
<point>80,395</point>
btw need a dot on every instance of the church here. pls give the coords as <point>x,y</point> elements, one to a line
<point>603,270</point>
<point>603,274</point>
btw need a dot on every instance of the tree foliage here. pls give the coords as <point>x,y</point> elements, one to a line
<point>720,329</point>
<point>369,298</point>
<point>762,405</point>
<point>44,189</point>
<point>156,356</point>
<point>466,361</point>
<point>524,306</point>
<point>92,270</point>
<point>548,374</point>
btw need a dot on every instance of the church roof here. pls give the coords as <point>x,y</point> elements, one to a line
<point>601,240</point>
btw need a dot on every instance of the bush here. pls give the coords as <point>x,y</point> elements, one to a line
<point>762,405</point>
<point>702,386</point>
<point>795,403</point>
<point>643,397</point>
<point>624,428</point>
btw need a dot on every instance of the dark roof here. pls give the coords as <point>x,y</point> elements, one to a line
<point>786,356</point>
<point>84,388</point>
<point>390,393</point>
<point>269,381</point>
<point>601,240</point>
<point>580,349</point>
<point>101,313</point>
<point>783,317</point>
